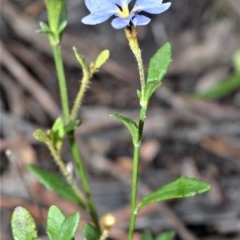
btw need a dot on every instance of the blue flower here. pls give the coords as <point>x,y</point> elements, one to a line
<point>102,10</point>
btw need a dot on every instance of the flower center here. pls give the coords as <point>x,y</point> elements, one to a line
<point>123,12</point>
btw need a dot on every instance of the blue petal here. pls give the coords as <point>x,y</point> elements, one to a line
<point>96,18</point>
<point>100,11</point>
<point>105,6</point>
<point>157,10</point>
<point>139,20</point>
<point>119,23</point>
<point>121,3</point>
<point>151,6</point>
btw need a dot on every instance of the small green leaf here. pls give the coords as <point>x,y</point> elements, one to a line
<point>130,125</point>
<point>181,188</point>
<point>58,133</point>
<point>57,16</point>
<point>72,126</point>
<point>159,63</point>
<point>101,59</point>
<point>81,60</point>
<point>54,222</point>
<point>90,232</point>
<point>151,88</point>
<point>69,227</point>
<point>54,182</point>
<point>139,93</point>
<point>62,26</point>
<point>223,89</point>
<point>169,235</point>
<point>44,28</point>
<point>41,136</point>
<point>23,225</point>
<point>157,69</point>
<point>147,235</point>
<point>60,227</point>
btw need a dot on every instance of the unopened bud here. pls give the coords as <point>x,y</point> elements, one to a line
<point>107,221</point>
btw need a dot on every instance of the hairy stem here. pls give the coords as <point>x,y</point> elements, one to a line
<point>131,34</point>
<point>89,203</point>
<point>84,84</point>
<point>67,175</point>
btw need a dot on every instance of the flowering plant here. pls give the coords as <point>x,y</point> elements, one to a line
<point>59,226</point>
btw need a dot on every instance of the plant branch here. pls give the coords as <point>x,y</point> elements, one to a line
<point>61,81</point>
<point>136,158</point>
<point>83,176</point>
<point>68,176</point>
<point>84,84</point>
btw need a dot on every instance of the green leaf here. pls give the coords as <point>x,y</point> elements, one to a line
<point>223,89</point>
<point>157,69</point>
<point>181,188</point>
<point>44,28</point>
<point>54,222</point>
<point>81,60</point>
<point>72,126</point>
<point>101,59</point>
<point>23,225</point>
<point>90,232</point>
<point>57,15</point>
<point>54,182</point>
<point>169,235</point>
<point>69,227</point>
<point>147,235</point>
<point>62,26</point>
<point>58,133</point>
<point>41,136</point>
<point>150,89</point>
<point>130,125</point>
<point>60,227</point>
<point>159,63</point>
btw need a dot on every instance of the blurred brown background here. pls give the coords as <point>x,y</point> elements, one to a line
<point>183,135</point>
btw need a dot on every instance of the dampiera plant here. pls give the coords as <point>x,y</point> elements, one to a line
<point>127,15</point>
<point>128,18</point>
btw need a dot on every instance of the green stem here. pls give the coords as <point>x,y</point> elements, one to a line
<point>79,98</point>
<point>61,81</point>
<point>84,84</point>
<point>68,176</point>
<point>131,34</point>
<point>85,183</point>
<point>136,158</point>
<point>75,152</point>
